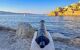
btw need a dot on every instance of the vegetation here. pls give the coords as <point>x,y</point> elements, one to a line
<point>71,10</point>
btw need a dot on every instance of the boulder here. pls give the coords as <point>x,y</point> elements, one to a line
<point>66,40</point>
<point>25,30</point>
<point>59,35</point>
<point>61,38</point>
<point>76,42</point>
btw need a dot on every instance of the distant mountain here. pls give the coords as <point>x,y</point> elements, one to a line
<point>4,12</point>
<point>12,13</point>
<point>24,14</point>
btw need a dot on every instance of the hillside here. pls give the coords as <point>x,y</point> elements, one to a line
<point>71,10</point>
<point>6,13</point>
<point>13,13</point>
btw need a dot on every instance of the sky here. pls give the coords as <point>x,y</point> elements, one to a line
<point>33,6</point>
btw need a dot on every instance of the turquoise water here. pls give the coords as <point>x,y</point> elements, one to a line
<point>64,25</point>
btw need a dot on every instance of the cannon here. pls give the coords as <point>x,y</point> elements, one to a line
<point>42,39</point>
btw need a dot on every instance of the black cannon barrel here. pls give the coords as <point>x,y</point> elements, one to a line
<point>41,39</point>
<point>41,31</point>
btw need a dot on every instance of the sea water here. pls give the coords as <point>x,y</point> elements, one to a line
<point>69,26</point>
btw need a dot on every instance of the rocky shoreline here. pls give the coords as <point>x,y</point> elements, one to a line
<point>22,41</point>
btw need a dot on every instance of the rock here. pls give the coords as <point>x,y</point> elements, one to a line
<point>21,44</point>
<point>61,38</point>
<point>76,42</point>
<point>58,35</point>
<point>68,41</point>
<point>25,30</point>
<point>7,29</point>
<point>58,49</point>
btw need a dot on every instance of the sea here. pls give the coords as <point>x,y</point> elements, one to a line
<point>69,26</point>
